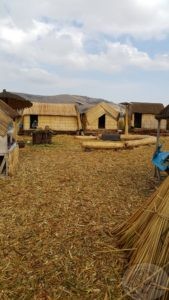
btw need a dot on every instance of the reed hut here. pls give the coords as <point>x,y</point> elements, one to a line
<point>56,116</point>
<point>9,151</point>
<point>101,116</point>
<point>142,115</point>
<point>14,100</point>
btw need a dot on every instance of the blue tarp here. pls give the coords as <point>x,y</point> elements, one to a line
<point>161,159</point>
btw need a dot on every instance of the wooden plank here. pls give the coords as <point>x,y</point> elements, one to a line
<point>2,165</point>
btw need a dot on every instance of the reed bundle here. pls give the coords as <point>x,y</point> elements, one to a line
<point>146,233</point>
<point>102,145</point>
<point>86,137</point>
<point>149,140</point>
<point>127,137</point>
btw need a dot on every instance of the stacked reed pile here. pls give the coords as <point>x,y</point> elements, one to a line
<point>146,236</point>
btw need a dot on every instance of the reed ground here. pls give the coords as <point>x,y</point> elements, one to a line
<point>56,219</point>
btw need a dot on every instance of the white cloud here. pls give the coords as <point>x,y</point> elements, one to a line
<point>140,18</point>
<point>64,46</point>
<point>38,38</point>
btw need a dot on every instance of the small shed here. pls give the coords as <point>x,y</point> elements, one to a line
<point>56,116</point>
<point>9,151</point>
<point>142,115</point>
<point>103,115</point>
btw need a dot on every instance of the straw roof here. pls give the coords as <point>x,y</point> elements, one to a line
<point>8,110</point>
<point>51,109</point>
<point>145,108</point>
<point>5,120</point>
<point>164,113</point>
<point>94,112</point>
<point>14,100</point>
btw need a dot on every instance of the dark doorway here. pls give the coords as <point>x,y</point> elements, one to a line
<point>33,121</point>
<point>101,122</point>
<point>137,120</point>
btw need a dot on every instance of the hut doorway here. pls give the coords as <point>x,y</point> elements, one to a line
<point>102,122</point>
<point>33,121</point>
<point>137,120</point>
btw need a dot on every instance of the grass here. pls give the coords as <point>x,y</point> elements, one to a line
<point>57,217</point>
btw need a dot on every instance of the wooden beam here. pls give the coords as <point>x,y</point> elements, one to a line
<point>2,165</point>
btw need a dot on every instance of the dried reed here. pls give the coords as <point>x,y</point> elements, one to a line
<point>147,233</point>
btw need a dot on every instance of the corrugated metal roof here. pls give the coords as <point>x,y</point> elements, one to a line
<point>145,108</point>
<point>51,109</point>
<point>164,113</point>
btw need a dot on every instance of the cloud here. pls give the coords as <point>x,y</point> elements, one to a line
<point>139,18</point>
<point>54,45</point>
<point>42,43</point>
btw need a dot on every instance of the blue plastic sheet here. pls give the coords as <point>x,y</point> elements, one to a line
<point>161,159</point>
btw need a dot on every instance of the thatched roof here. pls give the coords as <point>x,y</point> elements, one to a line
<point>110,106</point>
<point>145,108</point>
<point>8,110</point>
<point>14,100</point>
<point>95,111</point>
<point>51,109</point>
<point>5,120</point>
<point>164,113</point>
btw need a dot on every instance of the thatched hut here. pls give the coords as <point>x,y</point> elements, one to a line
<point>56,116</point>
<point>8,146</point>
<point>142,115</point>
<point>100,116</point>
<point>14,100</point>
<point>163,114</point>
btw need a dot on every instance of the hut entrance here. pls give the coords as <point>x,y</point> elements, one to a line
<point>33,121</point>
<point>101,122</point>
<point>137,120</point>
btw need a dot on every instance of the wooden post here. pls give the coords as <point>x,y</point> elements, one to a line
<point>127,120</point>
<point>158,134</point>
<point>157,171</point>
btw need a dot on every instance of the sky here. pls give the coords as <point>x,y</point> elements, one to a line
<point>112,49</point>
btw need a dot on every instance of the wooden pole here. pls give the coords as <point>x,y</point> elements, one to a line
<point>157,171</point>
<point>158,134</point>
<point>127,120</point>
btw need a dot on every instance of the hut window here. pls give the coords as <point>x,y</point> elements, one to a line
<point>137,120</point>
<point>101,122</point>
<point>33,121</point>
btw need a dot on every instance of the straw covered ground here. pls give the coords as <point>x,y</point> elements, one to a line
<point>57,215</point>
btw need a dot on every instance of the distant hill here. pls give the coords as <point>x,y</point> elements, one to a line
<point>83,102</point>
<point>64,98</point>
